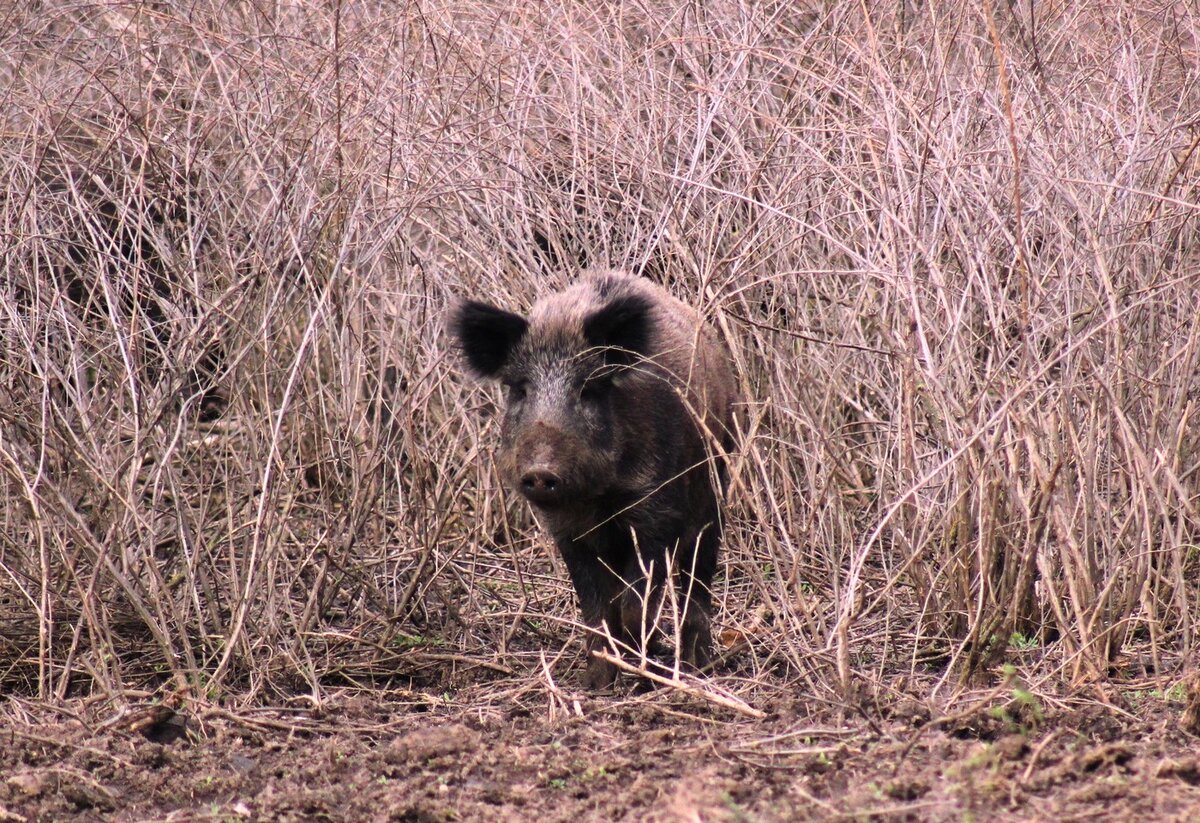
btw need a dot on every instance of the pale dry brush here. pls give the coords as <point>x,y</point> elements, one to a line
<point>951,246</point>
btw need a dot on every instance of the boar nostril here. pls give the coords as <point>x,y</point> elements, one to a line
<point>540,486</point>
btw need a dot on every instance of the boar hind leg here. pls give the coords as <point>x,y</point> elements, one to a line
<point>695,597</point>
<point>599,588</point>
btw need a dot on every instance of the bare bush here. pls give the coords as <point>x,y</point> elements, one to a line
<point>952,247</point>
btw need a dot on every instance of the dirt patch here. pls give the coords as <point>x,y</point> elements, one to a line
<point>556,755</point>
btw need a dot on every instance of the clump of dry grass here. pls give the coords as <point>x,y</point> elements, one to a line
<point>953,250</point>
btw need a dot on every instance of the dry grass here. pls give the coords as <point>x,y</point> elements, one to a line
<point>953,248</point>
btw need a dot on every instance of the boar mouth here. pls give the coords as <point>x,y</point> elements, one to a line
<point>544,500</point>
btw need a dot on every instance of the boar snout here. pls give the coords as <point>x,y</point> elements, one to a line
<point>542,487</point>
<point>541,468</point>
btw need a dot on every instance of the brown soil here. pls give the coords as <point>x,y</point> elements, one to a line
<point>525,750</point>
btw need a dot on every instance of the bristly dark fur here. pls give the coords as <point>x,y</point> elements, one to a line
<point>487,335</point>
<point>620,472</point>
<point>623,325</point>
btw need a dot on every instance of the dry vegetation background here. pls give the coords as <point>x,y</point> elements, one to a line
<point>952,246</point>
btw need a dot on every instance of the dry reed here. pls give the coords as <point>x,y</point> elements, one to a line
<point>953,247</point>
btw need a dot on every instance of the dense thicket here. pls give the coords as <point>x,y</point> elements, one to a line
<point>952,246</point>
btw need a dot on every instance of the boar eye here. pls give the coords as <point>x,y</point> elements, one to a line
<point>517,389</point>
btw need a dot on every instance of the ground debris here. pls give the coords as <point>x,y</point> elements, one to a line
<point>1012,747</point>
<point>1186,769</point>
<point>426,744</point>
<point>1189,719</point>
<point>1111,754</point>
<point>76,787</point>
<point>633,758</point>
<point>28,784</point>
<point>86,793</point>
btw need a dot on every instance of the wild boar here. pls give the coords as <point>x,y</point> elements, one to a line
<point>618,414</point>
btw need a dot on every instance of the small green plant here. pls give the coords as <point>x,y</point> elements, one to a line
<point>412,641</point>
<point>1022,642</point>
<point>984,758</point>
<point>1176,694</point>
<point>594,773</point>
<point>1028,701</point>
<point>558,782</point>
<point>1138,697</point>
<point>1022,711</point>
<point>202,685</point>
<point>1001,713</point>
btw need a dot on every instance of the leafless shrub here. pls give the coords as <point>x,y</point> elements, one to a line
<point>953,249</point>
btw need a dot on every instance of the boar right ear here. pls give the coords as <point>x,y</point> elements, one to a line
<point>623,326</point>
<point>487,335</point>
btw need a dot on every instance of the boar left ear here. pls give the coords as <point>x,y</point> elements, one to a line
<point>487,335</point>
<point>623,326</point>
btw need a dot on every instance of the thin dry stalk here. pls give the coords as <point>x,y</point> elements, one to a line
<point>953,251</point>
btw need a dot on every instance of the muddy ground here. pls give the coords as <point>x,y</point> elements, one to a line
<point>522,748</point>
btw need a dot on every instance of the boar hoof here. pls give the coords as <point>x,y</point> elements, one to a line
<point>600,674</point>
<point>697,647</point>
<point>700,659</point>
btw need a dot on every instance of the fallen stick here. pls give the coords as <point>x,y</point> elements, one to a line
<point>724,700</point>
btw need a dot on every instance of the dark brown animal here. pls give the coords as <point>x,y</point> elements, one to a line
<point>619,409</point>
